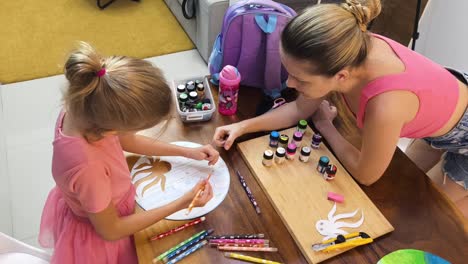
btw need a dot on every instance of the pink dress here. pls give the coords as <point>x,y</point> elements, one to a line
<point>88,177</point>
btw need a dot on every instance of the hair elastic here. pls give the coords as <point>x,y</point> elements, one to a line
<point>101,72</point>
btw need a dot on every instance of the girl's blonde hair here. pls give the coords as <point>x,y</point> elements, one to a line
<point>331,36</point>
<point>114,93</point>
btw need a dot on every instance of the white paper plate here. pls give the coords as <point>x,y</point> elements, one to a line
<point>182,177</point>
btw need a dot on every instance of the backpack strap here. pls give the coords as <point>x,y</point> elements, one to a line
<point>273,66</point>
<point>266,26</point>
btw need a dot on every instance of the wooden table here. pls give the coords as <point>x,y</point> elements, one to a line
<point>423,217</point>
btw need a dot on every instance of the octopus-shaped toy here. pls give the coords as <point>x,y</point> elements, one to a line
<point>331,228</point>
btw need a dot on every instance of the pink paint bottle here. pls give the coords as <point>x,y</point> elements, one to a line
<point>229,79</point>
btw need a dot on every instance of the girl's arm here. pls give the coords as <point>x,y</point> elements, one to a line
<point>110,226</point>
<point>147,146</point>
<point>380,135</point>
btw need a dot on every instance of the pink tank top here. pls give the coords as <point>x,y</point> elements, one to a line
<point>435,87</point>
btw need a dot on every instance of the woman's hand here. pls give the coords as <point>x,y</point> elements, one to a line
<point>324,114</point>
<point>206,152</point>
<point>205,195</point>
<point>224,136</point>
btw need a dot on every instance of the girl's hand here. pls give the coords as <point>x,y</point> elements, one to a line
<point>324,114</point>
<point>206,152</point>
<point>203,197</point>
<point>225,135</point>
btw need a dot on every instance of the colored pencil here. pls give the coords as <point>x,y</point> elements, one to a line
<point>239,245</point>
<point>185,247</point>
<point>255,249</point>
<point>179,228</point>
<point>239,241</point>
<point>196,195</point>
<point>249,193</point>
<point>187,252</point>
<point>241,236</point>
<point>181,244</point>
<point>248,258</point>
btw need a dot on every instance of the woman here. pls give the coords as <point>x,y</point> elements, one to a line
<point>393,92</point>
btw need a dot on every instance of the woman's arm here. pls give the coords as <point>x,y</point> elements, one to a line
<point>381,132</point>
<point>284,116</point>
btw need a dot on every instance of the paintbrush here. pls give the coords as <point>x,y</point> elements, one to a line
<point>198,194</point>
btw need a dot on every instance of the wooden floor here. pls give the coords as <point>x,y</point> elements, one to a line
<point>396,20</point>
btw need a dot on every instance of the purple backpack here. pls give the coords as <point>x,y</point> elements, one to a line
<point>249,40</point>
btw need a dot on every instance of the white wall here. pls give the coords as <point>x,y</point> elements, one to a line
<point>5,208</point>
<point>444,33</point>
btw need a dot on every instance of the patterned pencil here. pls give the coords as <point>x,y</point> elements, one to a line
<point>181,244</point>
<point>253,249</point>
<point>241,236</point>
<point>249,258</point>
<point>185,247</point>
<point>248,192</point>
<point>239,245</point>
<point>239,241</point>
<point>187,252</point>
<point>196,195</point>
<point>179,228</point>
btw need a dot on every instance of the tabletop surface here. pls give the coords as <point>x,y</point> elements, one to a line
<point>422,216</point>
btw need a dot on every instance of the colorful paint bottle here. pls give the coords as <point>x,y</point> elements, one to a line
<point>267,158</point>
<point>323,164</point>
<point>197,82</point>
<point>274,139</point>
<point>297,138</point>
<point>200,91</point>
<point>283,141</point>
<point>316,140</point>
<point>180,88</point>
<point>279,155</point>
<point>301,126</point>
<point>305,154</point>
<point>190,86</point>
<point>330,172</point>
<point>291,151</point>
<point>183,98</point>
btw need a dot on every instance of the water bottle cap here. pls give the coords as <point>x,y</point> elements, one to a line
<point>230,72</point>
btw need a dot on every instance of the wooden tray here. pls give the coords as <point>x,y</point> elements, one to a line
<point>299,194</point>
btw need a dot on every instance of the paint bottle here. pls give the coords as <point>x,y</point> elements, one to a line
<point>279,155</point>
<point>297,138</point>
<point>197,82</point>
<point>190,86</point>
<point>274,139</point>
<point>316,140</point>
<point>180,88</point>
<point>305,154</point>
<point>283,141</point>
<point>183,98</point>
<point>193,97</point>
<point>267,158</point>
<point>291,151</point>
<point>330,172</point>
<point>301,126</point>
<point>200,91</point>
<point>323,164</point>
<point>229,81</point>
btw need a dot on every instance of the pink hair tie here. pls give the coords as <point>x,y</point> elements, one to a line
<point>101,72</point>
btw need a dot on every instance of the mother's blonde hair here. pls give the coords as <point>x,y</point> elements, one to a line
<point>331,36</point>
<point>115,93</point>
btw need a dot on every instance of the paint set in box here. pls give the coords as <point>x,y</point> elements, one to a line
<point>193,98</point>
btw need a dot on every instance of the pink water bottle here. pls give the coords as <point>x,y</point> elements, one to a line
<point>229,79</point>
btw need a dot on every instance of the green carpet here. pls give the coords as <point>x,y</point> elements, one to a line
<point>36,36</point>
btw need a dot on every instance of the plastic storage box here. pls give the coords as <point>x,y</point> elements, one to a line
<point>200,115</point>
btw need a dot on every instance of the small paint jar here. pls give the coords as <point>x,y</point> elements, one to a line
<point>267,158</point>
<point>316,140</point>
<point>180,88</point>
<point>190,86</point>
<point>305,154</point>
<point>197,82</point>
<point>193,97</point>
<point>291,151</point>
<point>323,164</point>
<point>297,138</point>
<point>183,98</point>
<point>283,141</point>
<point>274,139</point>
<point>279,155</point>
<point>201,90</point>
<point>301,126</point>
<point>330,172</point>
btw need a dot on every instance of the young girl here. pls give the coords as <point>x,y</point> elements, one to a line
<point>89,216</point>
<point>393,91</point>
